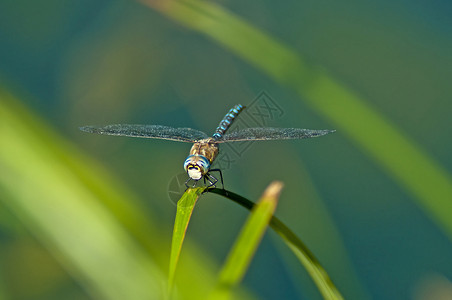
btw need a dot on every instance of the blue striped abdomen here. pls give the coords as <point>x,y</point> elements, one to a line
<point>227,121</point>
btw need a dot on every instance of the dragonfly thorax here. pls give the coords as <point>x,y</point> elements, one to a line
<point>207,148</point>
<point>202,154</point>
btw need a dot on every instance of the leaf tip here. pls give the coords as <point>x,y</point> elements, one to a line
<point>273,190</point>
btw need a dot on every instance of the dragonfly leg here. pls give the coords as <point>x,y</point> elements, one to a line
<point>207,178</point>
<point>187,181</point>
<point>221,176</point>
<point>211,179</point>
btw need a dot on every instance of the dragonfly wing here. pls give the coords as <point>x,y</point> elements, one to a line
<point>266,134</point>
<point>149,131</point>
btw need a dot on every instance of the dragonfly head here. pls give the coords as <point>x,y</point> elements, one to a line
<point>196,166</point>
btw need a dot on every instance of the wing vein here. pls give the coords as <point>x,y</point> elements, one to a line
<point>188,135</point>
<point>268,133</point>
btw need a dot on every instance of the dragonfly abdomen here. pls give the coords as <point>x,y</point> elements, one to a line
<point>227,121</point>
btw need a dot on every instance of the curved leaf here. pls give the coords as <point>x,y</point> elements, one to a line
<point>304,255</point>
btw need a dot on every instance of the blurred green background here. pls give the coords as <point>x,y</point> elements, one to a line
<point>89,217</point>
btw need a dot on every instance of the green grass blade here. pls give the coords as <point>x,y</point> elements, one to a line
<point>383,141</point>
<point>185,207</point>
<point>304,255</point>
<point>246,244</point>
<point>65,215</point>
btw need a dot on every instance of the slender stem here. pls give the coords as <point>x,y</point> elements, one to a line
<point>312,265</point>
<point>276,224</point>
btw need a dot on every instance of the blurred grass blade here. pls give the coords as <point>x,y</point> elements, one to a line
<point>246,244</point>
<point>304,255</point>
<point>308,260</point>
<point>3,291</point>
<point>86,217</point>
<point>185,207</point>
<point>386,144</point>
<point>65,215</point>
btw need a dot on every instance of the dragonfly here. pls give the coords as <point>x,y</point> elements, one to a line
<point>205,149</point>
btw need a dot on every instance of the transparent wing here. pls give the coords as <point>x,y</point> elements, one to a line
<point>265,134</point>
<point>149,131</point>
